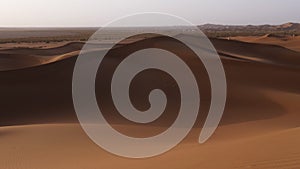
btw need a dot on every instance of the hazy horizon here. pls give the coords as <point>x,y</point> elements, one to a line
<point>95,13</point>
<point>95,27</point>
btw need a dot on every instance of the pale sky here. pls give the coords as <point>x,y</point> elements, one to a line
<point>90,13</point>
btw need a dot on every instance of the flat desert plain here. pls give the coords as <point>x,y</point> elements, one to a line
<point>260,127</point>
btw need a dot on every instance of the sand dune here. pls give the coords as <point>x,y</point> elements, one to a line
<point>290,42</point>
<point>267,53</point>
<point>259,128</point>
<point>26,57</point>
<point>17,58</point>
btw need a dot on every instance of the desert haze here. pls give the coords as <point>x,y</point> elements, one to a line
<point>260,127</point>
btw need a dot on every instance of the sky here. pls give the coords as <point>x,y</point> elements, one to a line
<point>94,13</point>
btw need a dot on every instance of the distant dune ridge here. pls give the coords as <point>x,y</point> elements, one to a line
<point>259,128</point>
<point>268,48</point>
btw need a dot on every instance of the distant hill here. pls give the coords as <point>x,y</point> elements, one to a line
<point>243,30</point>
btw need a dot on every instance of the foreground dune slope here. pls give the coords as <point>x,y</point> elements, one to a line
<point>66,146</point>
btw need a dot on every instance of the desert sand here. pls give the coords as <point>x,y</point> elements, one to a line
<point>260,127</point>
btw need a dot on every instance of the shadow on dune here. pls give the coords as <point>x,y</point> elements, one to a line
<point>43,94</point>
